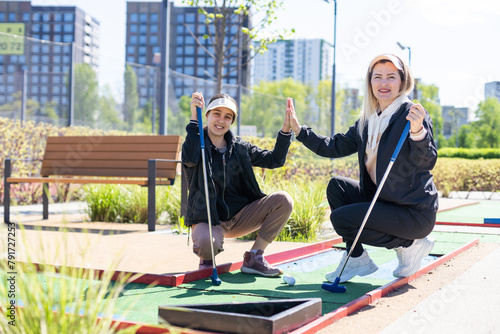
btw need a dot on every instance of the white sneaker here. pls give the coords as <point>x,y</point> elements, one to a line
<point>410,257</point>
<point>360,266</point>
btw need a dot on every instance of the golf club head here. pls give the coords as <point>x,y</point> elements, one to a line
<point>334,287</point>
<point>215,279</point>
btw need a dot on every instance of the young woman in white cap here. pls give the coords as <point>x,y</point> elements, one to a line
<point>405,211</point>
<point>238,206</point>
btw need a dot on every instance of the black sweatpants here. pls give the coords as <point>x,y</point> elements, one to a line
<point>389,225</point>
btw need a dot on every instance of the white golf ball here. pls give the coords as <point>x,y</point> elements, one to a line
<point>289,280</point>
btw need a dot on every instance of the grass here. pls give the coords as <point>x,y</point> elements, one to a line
<point>57,299</point>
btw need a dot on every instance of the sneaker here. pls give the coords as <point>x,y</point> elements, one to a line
<point>410,257</point>
<point>205,264</point>
<point>360,266</point>
<point>255,263</point>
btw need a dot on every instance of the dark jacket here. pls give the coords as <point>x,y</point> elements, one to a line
<point>239,159</point>
<point>410,180</point>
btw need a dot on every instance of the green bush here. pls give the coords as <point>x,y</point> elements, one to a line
<point>469,153</point>
<point>452,174</point>
<point>128,203</point>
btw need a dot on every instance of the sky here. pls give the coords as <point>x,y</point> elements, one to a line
<point>455,44</point>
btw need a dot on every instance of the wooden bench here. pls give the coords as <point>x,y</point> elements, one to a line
<point>141,160</point>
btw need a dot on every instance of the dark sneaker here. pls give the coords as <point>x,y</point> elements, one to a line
<point>205,264</point>
<point>410,257</point>
<point>255,263</point>
<point>356,266</point>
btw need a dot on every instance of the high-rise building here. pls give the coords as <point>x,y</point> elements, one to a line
<point>492,89</point>
<point>50,37</point>
<point>304,60</point>
<point>187,58</point>
<point>454,118</point>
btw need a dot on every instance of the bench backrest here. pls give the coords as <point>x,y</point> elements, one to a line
<point>110,156</point>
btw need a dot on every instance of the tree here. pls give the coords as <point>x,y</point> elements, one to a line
<point>109,116</point>
<point>429,100</point>
<point>86,94</point>
<point>131,100</point>
<point>221,17</point>
<point>488,123</point>
<point>15,106</point>
<point>265,107</point>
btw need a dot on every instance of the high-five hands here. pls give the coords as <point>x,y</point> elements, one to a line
<point>292,117</point>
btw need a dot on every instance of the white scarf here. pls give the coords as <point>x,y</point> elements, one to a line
<point>377,124</point>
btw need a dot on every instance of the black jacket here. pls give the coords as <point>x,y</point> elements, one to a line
<point>239,159</point>
<point>410,180</point>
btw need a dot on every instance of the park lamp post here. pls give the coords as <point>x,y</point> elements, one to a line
<point>332,108</point>
<point>409,52</point>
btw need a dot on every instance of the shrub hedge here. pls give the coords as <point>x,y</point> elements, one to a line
<point>469,153</point>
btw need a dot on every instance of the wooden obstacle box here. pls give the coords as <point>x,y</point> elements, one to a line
<point>271,316</point>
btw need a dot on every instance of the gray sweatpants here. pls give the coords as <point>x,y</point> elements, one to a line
<point>268,215</point>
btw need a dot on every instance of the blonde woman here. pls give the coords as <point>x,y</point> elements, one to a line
<point>405,211</point>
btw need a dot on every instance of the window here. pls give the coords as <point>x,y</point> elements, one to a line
<point>143,28</point>
<point>153,39</point>
<point>34,89</point>
<point>201,61</point>
<point>130,59</point>
<point>179,40</point>
<point>178,61</point>
<point>68,28</point>
<point>180,18</point>
<point>56,89</point>
<point>142,60</point>
<point>153,28</point>
<point>35,28</point>
<point>56,79</point>
<point>56,60</point>
<point>69,17</point>
<point>43,90</point>
<point>130,49</point>
<point>57,27</point>
<point>2,17</point>
<point>46,37</point>
<point>45,59</point>
<point>189,40</point>
<point>133,39</point>
<point>189,70</point>
<point>45,49</point>
<point>190,18</point>
<point>26,17</point>
<point>142,50</point>
<point>180,29</point>
<point>68,38</point>
<point>35,59</point>
<point>57,38</point>
<point>142,40</point>
<point>36,17</point>
<point>154,18</point>
<point>57,17</point>
<point>189,50</point>
<point>133,28</point>
<point>66,59</point>
<point>46,17</point>
<point>12,17</point>
<point>143,18</point>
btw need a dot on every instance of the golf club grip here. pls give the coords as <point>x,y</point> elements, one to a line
<point>200,127</point>
<point>401,141</point>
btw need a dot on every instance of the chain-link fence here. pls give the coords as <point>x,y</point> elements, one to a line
<point>58,83</point>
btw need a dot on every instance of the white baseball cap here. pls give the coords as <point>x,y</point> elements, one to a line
<point>223,102</point>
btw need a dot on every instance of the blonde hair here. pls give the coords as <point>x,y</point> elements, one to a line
<point>370,102</point>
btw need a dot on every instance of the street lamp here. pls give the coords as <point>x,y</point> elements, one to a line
<point>332,109</point>
<point>409,52</point>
